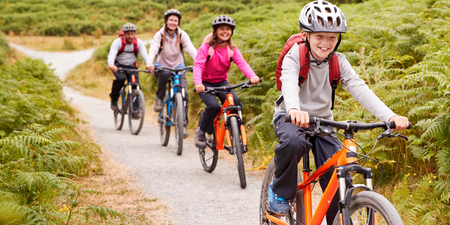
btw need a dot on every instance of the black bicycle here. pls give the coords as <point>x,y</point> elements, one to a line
<point>131,102</point>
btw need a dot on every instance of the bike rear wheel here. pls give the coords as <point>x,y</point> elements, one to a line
<point>136,112</point>
<point>264,200</point>
<point>119,114</point>
<point>164,129</point>
<point>238,148</point>
<point>364,203</point>
<point>179,122</point>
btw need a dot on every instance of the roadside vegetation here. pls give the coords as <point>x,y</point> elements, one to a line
<point>44,155</point>
<point>400,48</point>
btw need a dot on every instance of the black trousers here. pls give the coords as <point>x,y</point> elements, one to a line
<point>212,105</point>
<point>289,153</point>
<point>163,78</point>
<point>119,81</point>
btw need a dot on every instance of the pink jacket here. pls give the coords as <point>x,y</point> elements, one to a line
<point>216,70</point>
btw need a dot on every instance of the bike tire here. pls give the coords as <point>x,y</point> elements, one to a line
<point>264,199</point>
<point>119,114</point>
<point>238,147</point>
<point>209,155</point>
<point>164,129</point>
<point>179,122</point>
<point>361,202</point>
<point>136,124</point>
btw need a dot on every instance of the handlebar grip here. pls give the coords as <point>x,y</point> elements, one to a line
<point>392,125</point>
<point>287,119</point>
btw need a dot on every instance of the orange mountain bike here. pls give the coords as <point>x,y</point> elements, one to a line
<point>233,123</point>
<point>364,207</point>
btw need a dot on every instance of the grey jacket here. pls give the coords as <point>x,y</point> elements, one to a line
<point>314,95</point>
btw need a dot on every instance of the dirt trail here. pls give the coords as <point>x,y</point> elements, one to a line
<point>195,196</point>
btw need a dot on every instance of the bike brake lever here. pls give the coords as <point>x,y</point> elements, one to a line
<point>388,133</point>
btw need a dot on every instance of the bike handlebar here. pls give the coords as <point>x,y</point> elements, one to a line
<point>212,90</point>
<point>158,68</point>
<point>349,125</point>
<point>120,69</point>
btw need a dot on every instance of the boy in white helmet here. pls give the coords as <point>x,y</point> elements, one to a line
<point>322,24</point>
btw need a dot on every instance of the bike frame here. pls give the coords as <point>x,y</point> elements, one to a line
<point>343,162</point>
<point>174,87</point>
<point>221,129</point>
<point>129,83</point>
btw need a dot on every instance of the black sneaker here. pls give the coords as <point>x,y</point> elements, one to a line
<point>114,104</point>
<point>136,115</point>
<point>158,105</point>
<point>200,139</point>
<point>185,133</point>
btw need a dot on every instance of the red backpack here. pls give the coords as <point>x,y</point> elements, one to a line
<point>211,49</point>
<point>335,73</point>
<point>124,42</point>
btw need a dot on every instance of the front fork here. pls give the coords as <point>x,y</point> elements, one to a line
<point>241,128</point>
<point>345,195</point>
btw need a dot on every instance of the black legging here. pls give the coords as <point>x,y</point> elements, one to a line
<point>212,105</point>
<point>163,77</point>
<point>119,81</point>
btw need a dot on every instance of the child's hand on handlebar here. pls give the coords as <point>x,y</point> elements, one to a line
<point>401,122</point>
<point>199,88</point>
<point>113,68</point>
<point>254,80</point>
<point>299,118</point>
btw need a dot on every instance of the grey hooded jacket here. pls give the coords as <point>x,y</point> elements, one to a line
<point>314,95</point>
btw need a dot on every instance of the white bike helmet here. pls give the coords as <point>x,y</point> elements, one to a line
<point>223,20</point>
<point>172,12</point>
<point>129,27</point>
<point>322,16</point>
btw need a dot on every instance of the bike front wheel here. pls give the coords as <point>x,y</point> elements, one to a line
<point>208,155</point>
<point>238,148</point>
<point>179,122</point>
<point>136,112</point>
<point>371,208</point>
<point>164,129</point>
<point>119,114</point>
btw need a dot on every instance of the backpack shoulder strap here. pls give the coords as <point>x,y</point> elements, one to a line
<point>135,45</point>
<point>303,54</point>
<point>230,53</point>
<point>122,48</point>
<point>210,53</point>
<point>335,76</point>
<point>161,43</point>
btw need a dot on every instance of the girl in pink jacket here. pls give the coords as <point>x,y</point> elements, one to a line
<point>211,68</point>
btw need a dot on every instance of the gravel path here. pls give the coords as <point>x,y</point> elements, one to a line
<point>195,196</point>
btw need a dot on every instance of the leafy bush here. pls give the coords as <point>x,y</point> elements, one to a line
<point>4,49</point>
<point>41,149</point>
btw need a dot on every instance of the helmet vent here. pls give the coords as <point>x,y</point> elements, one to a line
<point>317,9</point>
<point>328,10</point>
<point>320,20</point>
<point>330,21</point>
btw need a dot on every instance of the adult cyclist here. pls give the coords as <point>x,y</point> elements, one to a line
<point>168,46</point>
<point>123,53</point>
